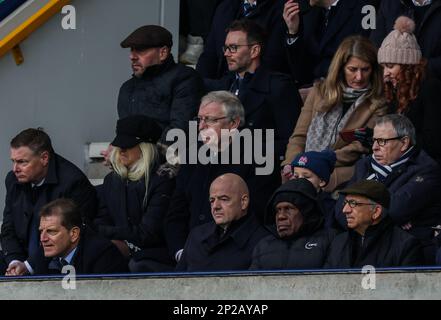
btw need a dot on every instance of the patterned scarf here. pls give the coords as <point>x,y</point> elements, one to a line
<point>381,172</point>
<point>325,126</point>
<point>351,95</point>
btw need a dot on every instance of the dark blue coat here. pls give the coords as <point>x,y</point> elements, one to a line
<point>383,245</point>
<point>95,255</point>
<point>122,215</point>
<point>271,101</point>
<point>415,189</point>
<point>428,33</point>
<point>63,180</point>
<point>268,14</point>
<point>311,55</point>
<point>207,250</point>
<point>190,206</point>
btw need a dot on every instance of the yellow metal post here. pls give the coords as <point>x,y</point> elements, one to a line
<point>18,55</point>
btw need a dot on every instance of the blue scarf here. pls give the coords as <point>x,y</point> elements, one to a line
<point>381,172</point>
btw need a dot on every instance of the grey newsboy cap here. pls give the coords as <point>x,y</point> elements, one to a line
<point>371,189</point>
<point>150,36</point>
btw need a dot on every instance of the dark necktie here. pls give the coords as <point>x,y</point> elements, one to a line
<point>34,241</point>
<point>235,87</point>
<point>57,264</point>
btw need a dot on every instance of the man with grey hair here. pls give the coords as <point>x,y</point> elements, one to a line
<point>189,207</point>
<point>411,176</point>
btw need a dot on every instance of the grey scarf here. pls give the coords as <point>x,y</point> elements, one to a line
<point>325,126</point>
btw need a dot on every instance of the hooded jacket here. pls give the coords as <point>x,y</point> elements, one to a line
<point>306,249</point>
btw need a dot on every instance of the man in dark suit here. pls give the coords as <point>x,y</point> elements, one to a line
<point>39,175</point>
<point>315,31</point>
<point>189,207</point>
<point>66,242</point>
<point>227,242</point>
<point>267,13</point>
<point>271,100</point>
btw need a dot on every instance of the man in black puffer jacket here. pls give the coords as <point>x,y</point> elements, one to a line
<point>161,89</point>
<point>298,240</point>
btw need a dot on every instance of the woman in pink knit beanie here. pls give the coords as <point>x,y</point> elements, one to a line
<point>409,90</point>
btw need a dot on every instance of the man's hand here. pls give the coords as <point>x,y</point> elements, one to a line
<point>291,16</point>
<point>364,135</point>
<point>106,155</point>
<point>16,268</point>
<point>286,173</point>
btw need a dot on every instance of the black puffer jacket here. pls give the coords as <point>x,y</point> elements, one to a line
<point>169,93</point>
<point>307,249</point>
<point>383,245</point>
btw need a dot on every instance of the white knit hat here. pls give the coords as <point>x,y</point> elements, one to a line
<point>400,46</point>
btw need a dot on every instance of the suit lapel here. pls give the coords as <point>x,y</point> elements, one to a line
<point>436,5</point>
<point>342,15</point>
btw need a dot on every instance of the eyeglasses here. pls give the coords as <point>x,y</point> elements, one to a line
<point>233,47</point>
<point>208,121</point>
<point>382,142</point>
<point>352,203</point>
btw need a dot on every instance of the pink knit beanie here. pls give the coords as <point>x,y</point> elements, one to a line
<point>400,46</point>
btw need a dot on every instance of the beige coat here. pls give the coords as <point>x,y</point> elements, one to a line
<point>347,153</point>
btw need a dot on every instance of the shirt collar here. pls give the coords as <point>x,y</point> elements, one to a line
<point>253,4</point>
<point>69,257</point>
<point>425,3</point>
<point>333,5</point>
<point>38,184</point>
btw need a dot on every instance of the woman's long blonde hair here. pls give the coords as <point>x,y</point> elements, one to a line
<point>331,89</point>
<point>141,168</point>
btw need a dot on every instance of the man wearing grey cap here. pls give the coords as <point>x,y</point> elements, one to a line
<point>371,239</point>
<point>159,88</point>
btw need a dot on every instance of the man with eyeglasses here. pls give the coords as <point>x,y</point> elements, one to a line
<point>267,13</point>
<point>271,100</point>
<point>189,205</point>
<point>371,239</point>
<point>412,177</point>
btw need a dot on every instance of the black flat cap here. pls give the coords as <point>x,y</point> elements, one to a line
<point>371,189</point>
<point>133,130</point>
<point>150,36</point>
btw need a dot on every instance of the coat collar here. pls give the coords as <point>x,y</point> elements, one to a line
<point>436,5</point>
<point>241,231</point>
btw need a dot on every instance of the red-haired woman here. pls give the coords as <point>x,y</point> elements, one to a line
<point>408,89</point>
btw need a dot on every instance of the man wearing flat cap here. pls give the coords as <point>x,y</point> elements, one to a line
<point>166,91</point>
<point>371,239</point>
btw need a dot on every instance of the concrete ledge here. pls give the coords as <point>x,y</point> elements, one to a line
<point>391,284</point>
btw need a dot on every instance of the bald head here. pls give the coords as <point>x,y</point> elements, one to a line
<point>229,199</point>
